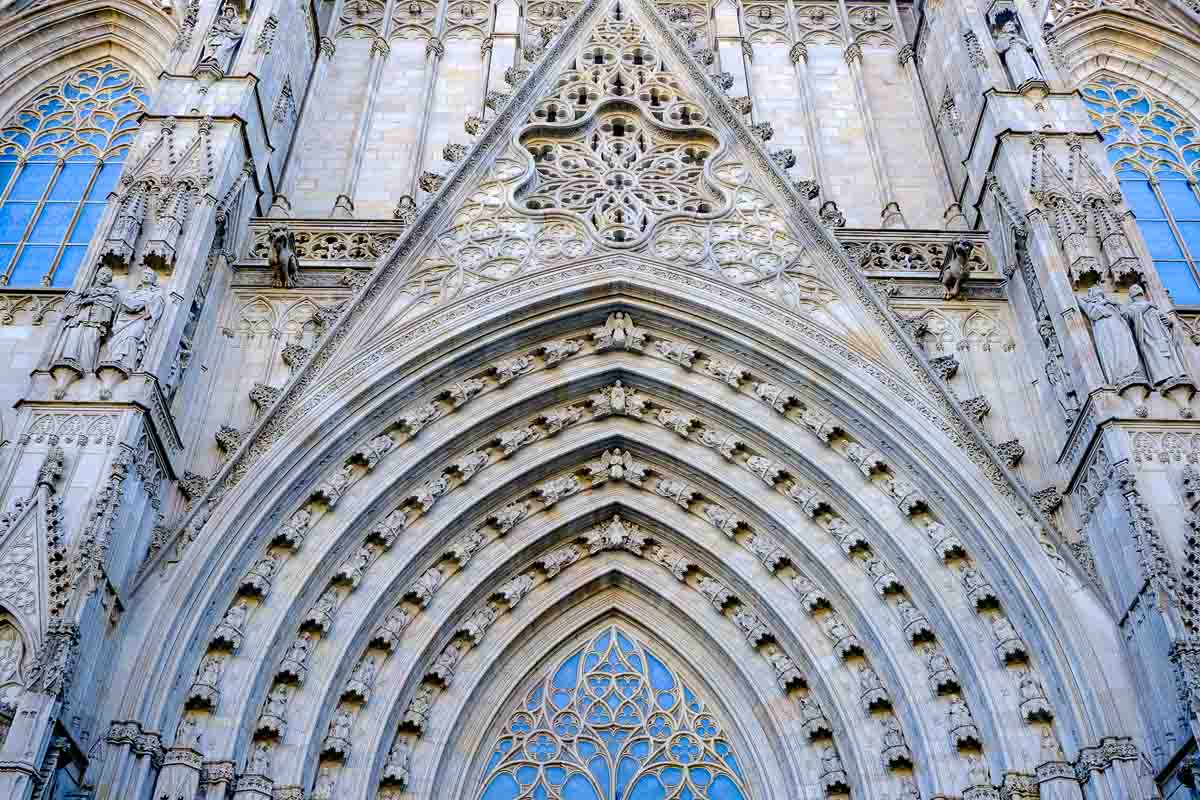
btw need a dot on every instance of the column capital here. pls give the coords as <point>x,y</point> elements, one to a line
<point>905,55</point>
<point>799,51</point>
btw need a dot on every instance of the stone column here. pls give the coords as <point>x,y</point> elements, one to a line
<point>216,778</point>
<point>731,48</point>
<point>804,95</point>
<point>434,49</point>
<point>891,217</point>
<point>343,207</point>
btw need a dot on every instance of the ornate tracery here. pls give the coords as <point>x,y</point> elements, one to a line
<point>612,720</point>
<point>60,156</point>
<point>1154,149</point>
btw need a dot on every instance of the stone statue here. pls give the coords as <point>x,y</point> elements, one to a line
<point>1152,332</point>
<point>956,266</point>
<point>326,786</point>
<point>282,258</point>
<point>11,651</point>
<point>1017,53</point>
<point>136,316</point>
<point>259,762</point>
<point>188,732</point>
<point>87,321</point>
<point>1114,339</point>
<point>340,727</point>
<point>277,701</point>
<point>210,671</point>
<point>223,38</point>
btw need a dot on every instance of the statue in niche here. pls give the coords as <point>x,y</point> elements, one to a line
<point>1114,338</point>
<point>223,38</point>
<point>136,316</point>
<point>12,651</point>
<point>1017,54</point>
<point>1152,332</point>
<point>87,321</point>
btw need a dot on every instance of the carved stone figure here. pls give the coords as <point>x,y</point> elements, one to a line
<point>1114,339</point>
<point>1152,331</point>
<point>222,40</point>
<point>137,314</point>
<point>87,321</point>
<point>259,762</point>
<point>1017,53</point>
<point>325,787</point>
<point>956,266</point>
<point>285,268</point>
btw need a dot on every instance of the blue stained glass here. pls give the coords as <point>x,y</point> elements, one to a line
<point>1178,278</point>
<point>1180,199</point>
<point>34,262</point>
<point>1160,239</point>
<point>52,223</point>
<point>632,750</point>
<point>85,226</point>
<point>1141,198</point>
<point>71,121</point>
<point>68,265</point>
<point>72,181</point>
<point>6,254</point>
<point>31,182</point>
<point>1191,237</point>
<point>14,218</point>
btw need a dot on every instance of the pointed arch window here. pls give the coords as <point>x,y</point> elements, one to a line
<point>612,721</point>
<point>60,156</point>
<point>1155,151</point>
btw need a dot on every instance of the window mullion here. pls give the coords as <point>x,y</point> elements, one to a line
<point>37,210</point>
<point>1170,217</point>
<point>48,278</point>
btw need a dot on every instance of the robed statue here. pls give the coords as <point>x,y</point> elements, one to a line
<point>1161,354</point>
<point>1017,53</point>
<point>87,320</point>
<point>137,314</point>
<point>223,37</point>
<point>1114,338</point>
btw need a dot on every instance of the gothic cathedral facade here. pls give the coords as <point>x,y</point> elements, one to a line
<point>599,399</point>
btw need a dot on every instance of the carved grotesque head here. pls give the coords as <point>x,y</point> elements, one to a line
<point>278,237</point>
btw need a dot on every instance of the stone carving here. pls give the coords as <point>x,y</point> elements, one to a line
<point>223,37</point>
<point>750,625</point>
<point>766,469</point>
<point>555,490</point>
<point>943,679</point>
<point>509,369</point>
<point>871,691</point>
<point>285,267</point>
<point>362,679</point>
<point>137,314</point>
<point>331,490</point>
<point>881,574</point>
<point>725,371</point>
<point>429,492</point>
<point>560,559</point>
<point>674,561</point>
<point>229,631</point>
<point>678,491</point>
<point>945,543</point>
<point>766,551</point>
<point>724,519</point>
<point>619,333</point>
<point>513,440</point>
<point>337,741</point>
<point>295,660</point>
<point>787,674</point>
<point>396,768</point>
<point>559,419</point>
<point>273,719</point>
<point>964,735</point>
<point>724,443</point>
<point>956,266</point>
<point>87,320</point>
<point>1009,646</point>
<point>325,787</point>
<point>259,762</point>
<point>423,589</point>
<point>616,399</point>
<point>1114,338</point>
<point>387,633</point>
<point>979,591</point>
<point>616,465</point>
<point>1034,705</point>
<point>478,623</point>
<point>1156,343</point>
<point>507,518</point>
<point>416,420</point>
<point>833,773</point>
<point>616,534</point>
<point>845,643</point>
<point>1017,54</point>
<point>515,589</point>
<point>916,626</point>
<point>205,689</point>
<point>810,595</point>
<point>355,566</point>
<point>681,353</point>
<point>444,665</point>
<point>716,592</point>
<point>895,750</point>
<point>320,616</point>
<point>675,421</point>
<point>813,721</point>
<point>776,397</point>
<point>560,350</point>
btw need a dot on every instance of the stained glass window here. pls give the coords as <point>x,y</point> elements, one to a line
<point>612,721</point>
<point>60,156</point>
<point>1156,154</point>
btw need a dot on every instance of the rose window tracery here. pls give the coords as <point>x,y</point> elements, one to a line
<point>612,721</point>
<point>619,175</point>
